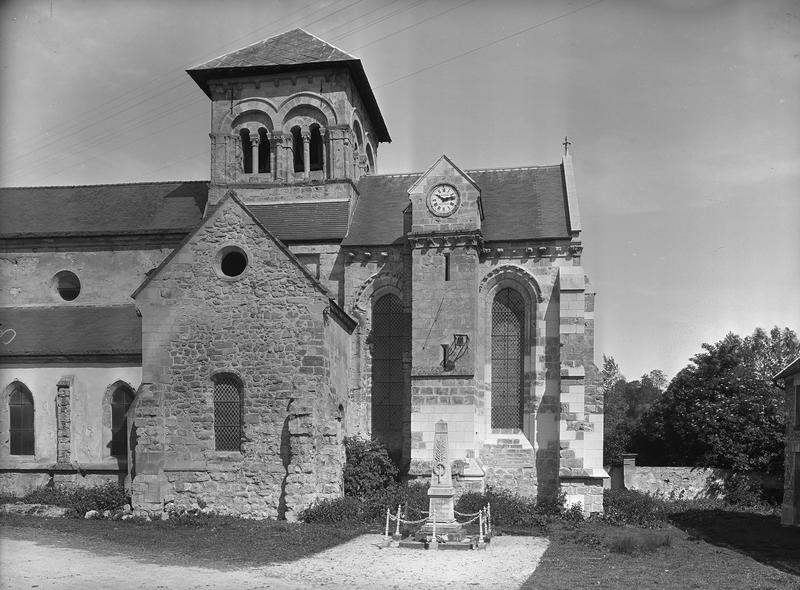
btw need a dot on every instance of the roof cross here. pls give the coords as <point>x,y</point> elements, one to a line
<point>566,145</point>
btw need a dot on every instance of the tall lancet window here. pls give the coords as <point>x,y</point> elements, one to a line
<point>508,336</point>
<point>20,406</point>
<point>390,332</point>
<point>247,151</point>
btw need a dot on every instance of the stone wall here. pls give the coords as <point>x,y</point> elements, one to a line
<point>677,481</point>
<point>790,514</point>
<point>271,328</point>
<point>278,102</point>
<point>108,276</point>
<point>85,433</point>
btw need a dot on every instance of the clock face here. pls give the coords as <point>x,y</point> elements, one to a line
<point>443,200</point>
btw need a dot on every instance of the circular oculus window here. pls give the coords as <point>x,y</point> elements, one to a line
<point>66,285</point>
<point>232,261</point>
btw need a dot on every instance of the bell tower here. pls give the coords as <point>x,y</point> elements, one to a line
<point>290,112</point>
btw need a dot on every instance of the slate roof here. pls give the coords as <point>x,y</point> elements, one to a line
<point>296,222</point>
<point>70,330</point>
<point>293,50</point>
<point>518,204</point>
<point>295,47</point>
<point>105,209</point>
<point>790,369</point>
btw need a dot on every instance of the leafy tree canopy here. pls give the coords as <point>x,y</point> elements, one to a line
<point>722,410</point>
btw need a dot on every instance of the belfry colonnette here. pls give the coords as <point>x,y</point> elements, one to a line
<point>213,342</point>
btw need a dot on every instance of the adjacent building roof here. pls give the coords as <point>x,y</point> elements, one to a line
<point>104,209</point>
<point>290,51</point>
<point>310,221</point>
<point>518,204</point>
<point>70,331</point>
<point>790,369</point>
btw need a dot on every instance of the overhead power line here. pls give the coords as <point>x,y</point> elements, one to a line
<point>484,46</point>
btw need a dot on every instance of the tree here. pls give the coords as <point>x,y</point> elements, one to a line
<point>723,410</point>
<point>624,404</point>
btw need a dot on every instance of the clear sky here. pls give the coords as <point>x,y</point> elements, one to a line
<point>684,117</point>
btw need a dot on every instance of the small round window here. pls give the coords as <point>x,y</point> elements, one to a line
<point>67,285</point>
<point>232,261</point>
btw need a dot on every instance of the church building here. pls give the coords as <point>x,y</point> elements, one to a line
<point>213,342</point>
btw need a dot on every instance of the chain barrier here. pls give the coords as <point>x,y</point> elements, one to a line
<point>483,516</point>
<point>402,521</point>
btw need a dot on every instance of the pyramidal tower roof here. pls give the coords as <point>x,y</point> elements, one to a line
<point>294,50</point>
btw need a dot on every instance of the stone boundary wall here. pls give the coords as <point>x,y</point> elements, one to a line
<point>680,482</point>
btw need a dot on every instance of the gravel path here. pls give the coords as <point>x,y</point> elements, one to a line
<point>356,565</point>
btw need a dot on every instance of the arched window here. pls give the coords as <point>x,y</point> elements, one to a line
<point>121,401</point>
<point>20,405</point>
<point>227,412</point>
<point>390,333</point>
<point>297,149</point>
<point>247,151</point>
<point>508,336</point>
<point>263,151</point>
<point>359,134</point>
<point>315,148</point>
<point>370,160</point>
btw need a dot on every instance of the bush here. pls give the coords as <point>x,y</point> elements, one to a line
<point>510,509</point>
<point>336,511</point>
<point>53,496</point>
<point>368,468</point>
<point>413,499</point>
<point>110,496</point>
<point>628,507</point>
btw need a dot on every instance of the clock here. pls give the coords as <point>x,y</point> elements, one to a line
<point>443,200</point>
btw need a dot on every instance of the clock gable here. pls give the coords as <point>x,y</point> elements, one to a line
<point>445,200</point>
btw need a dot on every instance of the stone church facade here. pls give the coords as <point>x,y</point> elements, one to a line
<point>213,342</point>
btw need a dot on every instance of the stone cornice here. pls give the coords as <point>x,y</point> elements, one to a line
<point>99,241</point>
<point>125,359</point>
<point>472,238</point>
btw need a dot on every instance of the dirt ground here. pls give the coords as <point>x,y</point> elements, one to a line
<point>359,564</point>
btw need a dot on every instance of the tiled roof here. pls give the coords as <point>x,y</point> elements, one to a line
<point>70,331</point>
<point>293,50</point>
<point>518,204</point>
<point>790,369</point>
<point>105,209</point>
<point>289,48</point>
<point>311,221</point>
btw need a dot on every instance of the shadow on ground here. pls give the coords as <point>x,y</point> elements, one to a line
<point>759,536</point>
<point>214,542</point>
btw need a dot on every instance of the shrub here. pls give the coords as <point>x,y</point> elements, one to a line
<point>110,496</point>
<point>510,509</point>
<point>372,509</point>
<point>336,511</point>
<point>628,507</point>
<point>368,468</point>
<point>54,496</point>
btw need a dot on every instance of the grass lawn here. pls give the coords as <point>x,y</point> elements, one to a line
<point>209,542</point>
<point>712,549</point>
<point>703,549</point>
